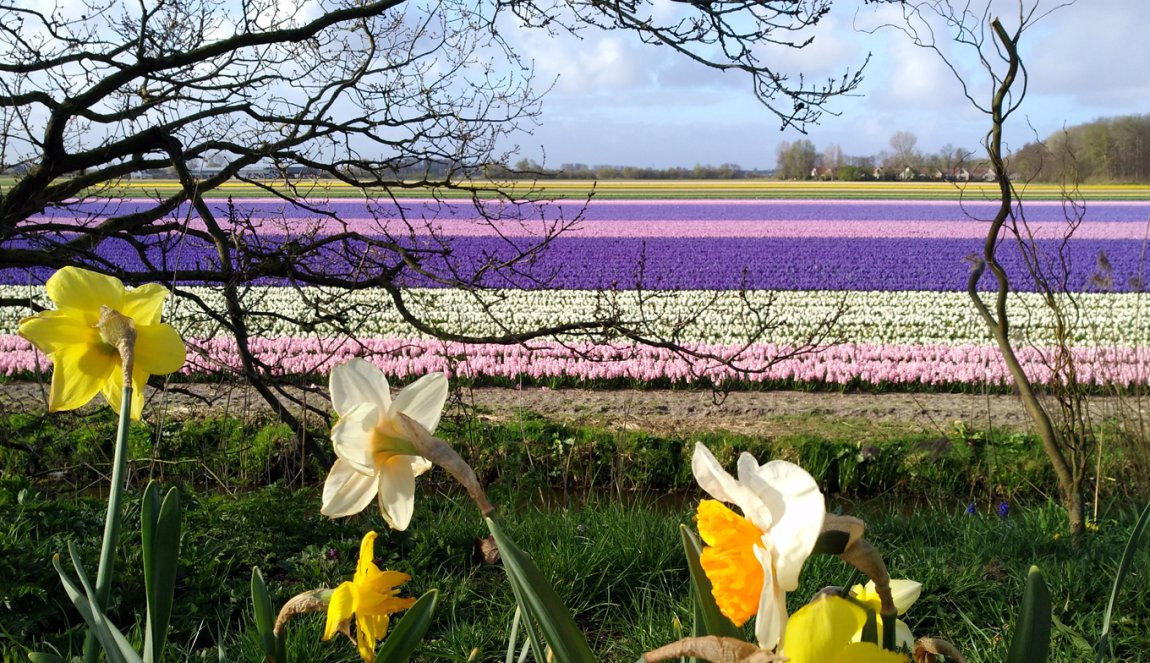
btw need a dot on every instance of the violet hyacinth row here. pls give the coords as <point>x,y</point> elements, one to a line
<point>684,245</point>
<point>847,363</point>
<point>675,263</point>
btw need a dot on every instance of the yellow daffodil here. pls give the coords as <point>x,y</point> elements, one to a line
<point>820,632</point>
<point>374,456</point>
<point>84,356</point>
<point>904,593</point>
<point>754,559</point>
<point>370,597</point>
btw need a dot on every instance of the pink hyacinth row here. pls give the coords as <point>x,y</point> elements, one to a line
<point>404,359</point>
<point>652,228</point>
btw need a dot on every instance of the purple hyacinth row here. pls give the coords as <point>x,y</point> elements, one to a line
<point>706,245</point>
<point>688,263</point>
<point>840,364</point>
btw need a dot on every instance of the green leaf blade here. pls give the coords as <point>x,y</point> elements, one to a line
<point>408,634</point>
<point>541,605</point>
<point>1031,642</point>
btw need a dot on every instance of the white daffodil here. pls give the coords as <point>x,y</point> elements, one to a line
<point>904,593</point>
<point>375,457</point>
<point>753,560</point>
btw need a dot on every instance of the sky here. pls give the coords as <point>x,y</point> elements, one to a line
<point>617,101</point>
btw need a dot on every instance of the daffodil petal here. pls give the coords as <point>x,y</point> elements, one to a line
<point>52,330</point>
<point>357,382</point>
<point>353,435</point>
<point>397,491</point>
<point>370,628</point>
<point>799,520</point>
<point>79,372</point>
<point>423,400</point>
<point>771,619</point>
<point>347,492</point>
<point>145,304</point>
<point>421,465</point>
<point>904,592</point>
<point>72,287</point>
<point>903,636</point>
<point>866,652</point>
<point>712,478</point>
<point>340,608</point>
<point>159,349</point>
<point>818,631</point>
<point>365,565</point>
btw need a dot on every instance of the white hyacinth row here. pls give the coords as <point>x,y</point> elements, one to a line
<point>778,317</point>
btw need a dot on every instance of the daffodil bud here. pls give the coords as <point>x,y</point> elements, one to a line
<point>119,331</point>
<point>316,600</point>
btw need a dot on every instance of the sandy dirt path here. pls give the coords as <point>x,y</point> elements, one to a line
<point>661,411</point>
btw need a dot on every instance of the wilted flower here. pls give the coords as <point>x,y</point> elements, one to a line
<point>752,560</point>
<point>370,597</point>
<point>95,319</point>
<point>375,457</point>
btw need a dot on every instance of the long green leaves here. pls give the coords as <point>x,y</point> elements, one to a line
<point>160,525</point>
<point>116,647</point>
<point>274,647</point>
<point>1102,649</point>
<point>541,606</point>
<point>1031,643</point>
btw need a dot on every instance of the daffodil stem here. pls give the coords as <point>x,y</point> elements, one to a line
<point>112,520</point>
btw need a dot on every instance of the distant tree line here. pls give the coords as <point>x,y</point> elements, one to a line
<point>582,171</point>
<point>1106,150</point>
<point>1110,150</point>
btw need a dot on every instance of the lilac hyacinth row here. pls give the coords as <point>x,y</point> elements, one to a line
<point>583,263</point>
<point>840,364</point>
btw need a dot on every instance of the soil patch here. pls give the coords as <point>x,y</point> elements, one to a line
<point>760,413</point>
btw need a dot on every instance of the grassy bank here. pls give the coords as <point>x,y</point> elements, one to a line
<point>617,565</point>
<point>599,510</point>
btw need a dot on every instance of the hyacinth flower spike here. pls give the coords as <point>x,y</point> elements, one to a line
<point>377,455</point>
<point>95,317</point>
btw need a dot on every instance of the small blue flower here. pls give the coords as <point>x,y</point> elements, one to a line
<point>970,509</point>
<point>1003,509</point>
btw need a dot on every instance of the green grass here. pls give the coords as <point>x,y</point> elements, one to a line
<point>617,565</point>
<point>599,511</point>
